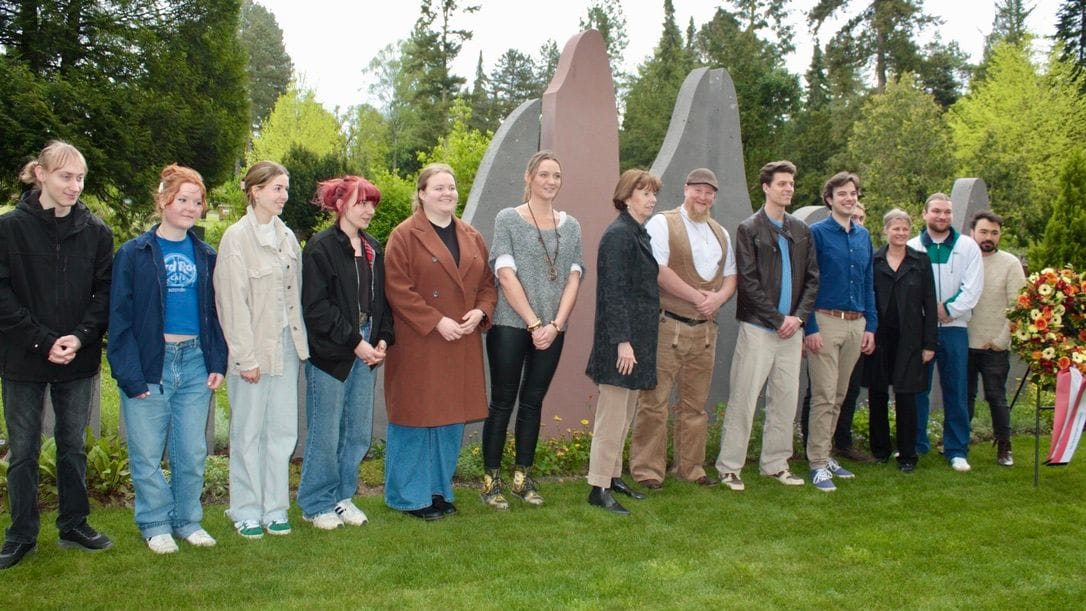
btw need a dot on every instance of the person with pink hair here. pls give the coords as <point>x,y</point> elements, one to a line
<point>350,329</point>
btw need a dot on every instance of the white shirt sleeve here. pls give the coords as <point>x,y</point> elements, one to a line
<point>505,261</point>
<point>729,263</point>
<point>657,228</point>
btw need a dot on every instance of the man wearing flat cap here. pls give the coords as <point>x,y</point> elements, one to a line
<point>697,277</point>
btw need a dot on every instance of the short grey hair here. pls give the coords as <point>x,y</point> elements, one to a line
<point>896,214</point>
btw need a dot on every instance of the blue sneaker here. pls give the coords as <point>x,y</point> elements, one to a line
<point>838,471</point>
<point>823,479</point>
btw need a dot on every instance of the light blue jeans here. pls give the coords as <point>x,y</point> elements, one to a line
<point>173,416</point>
<point>263,433</point>
<point>339,420</point>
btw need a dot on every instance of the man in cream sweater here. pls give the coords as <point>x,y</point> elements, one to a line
<point>989,331</point>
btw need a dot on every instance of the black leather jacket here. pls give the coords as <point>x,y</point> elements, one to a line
<point>758,261</point>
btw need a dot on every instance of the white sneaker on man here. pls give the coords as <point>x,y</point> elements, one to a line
<point>162,544</point>
<point>350,513</point>
<point>328,520</point>
<point>959,464</point>
<point>201,538</point>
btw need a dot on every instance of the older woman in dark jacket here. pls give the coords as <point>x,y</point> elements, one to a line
<point>905,340</point>
<point>623,358</point>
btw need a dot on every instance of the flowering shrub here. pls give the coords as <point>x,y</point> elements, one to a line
<point>1048,323</point>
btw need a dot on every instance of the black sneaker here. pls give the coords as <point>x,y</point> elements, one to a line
<point>13,552</point>
<point>85,538</point>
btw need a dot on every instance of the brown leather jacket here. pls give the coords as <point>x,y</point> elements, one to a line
<point>758,262</point>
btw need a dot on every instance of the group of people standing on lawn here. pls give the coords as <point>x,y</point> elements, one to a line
<point>184,319</point>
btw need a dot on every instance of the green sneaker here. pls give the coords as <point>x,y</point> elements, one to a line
<point>278,528</point>
<point>250,529</point>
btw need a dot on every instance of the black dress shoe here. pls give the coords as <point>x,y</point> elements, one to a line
<point>620,486</point>
<point>906,467</point>
<point>601,497</point>
<point>442,505</point>
<point>426,513</point>
<point>13,552</point>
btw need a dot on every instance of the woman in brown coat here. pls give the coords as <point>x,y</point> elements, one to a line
<point>442,295</point>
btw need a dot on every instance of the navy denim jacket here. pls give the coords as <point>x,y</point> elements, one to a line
<point>136,349</point>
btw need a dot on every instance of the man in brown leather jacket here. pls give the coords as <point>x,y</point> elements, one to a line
<point>778,283</point>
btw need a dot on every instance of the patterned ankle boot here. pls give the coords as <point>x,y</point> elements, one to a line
<point>492,490</point>
<point>524,486</point>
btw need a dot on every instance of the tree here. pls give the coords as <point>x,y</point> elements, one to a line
<point>607,17</point>
<point>900,147</point>
<point>388,87</point>
<point>513,81</point>
<point>1065,234</point>
<point>1014,129</point>
<point>117,79</point>
<point>367,139</point>
<point>269,67</point>
<point>547,64</point>
<point>1071,32</point>
<point>768,94</point>
<point>297,119</point>
<point>651,95</point>
<point>306,169</point>
<point>882,34</point>
<point>463,149</point>
<point>425,81</point>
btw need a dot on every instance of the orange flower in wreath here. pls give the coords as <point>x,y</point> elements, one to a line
<point>1063,362</point>
<point>1036,354</point>
<point>1023,300</point>
<point>1041,323</point>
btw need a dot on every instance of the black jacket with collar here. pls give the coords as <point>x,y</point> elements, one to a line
<point>330,301</point>
<point>758,262</point>
<point>54,281</point>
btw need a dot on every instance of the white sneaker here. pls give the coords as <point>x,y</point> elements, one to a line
<point>786,477</point>
<point>162,544</point>
<point>732,481</point>
<point>959,464</point>
<point>350,513</point>
<point>328,520</point>
<point>201,538</point>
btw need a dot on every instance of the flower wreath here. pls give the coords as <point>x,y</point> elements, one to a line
<point>1048,323</point>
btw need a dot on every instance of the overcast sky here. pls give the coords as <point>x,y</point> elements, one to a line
<point>332,41</point>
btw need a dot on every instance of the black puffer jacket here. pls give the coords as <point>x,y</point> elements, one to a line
<point>54,281</point>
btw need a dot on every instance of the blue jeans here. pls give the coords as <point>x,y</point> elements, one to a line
<point>173,417</point>
<point>952,357</point>
<point>23,415</point>
<point>339,421</point>
<point>419,463</point>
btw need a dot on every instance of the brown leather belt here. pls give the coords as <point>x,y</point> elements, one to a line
<point>841,314</point>
<point>690,321</point>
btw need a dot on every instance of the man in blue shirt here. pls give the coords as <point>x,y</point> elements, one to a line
<point>843,324</point>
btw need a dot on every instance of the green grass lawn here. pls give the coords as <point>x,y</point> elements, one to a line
<point>936,539</point>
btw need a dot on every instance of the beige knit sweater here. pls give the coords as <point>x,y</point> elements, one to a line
<point>1003,278</point>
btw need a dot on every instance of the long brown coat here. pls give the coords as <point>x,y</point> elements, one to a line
<point>430,381</point>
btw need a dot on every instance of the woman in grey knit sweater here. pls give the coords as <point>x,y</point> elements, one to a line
<point>536,255</point>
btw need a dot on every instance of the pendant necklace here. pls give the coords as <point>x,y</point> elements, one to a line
<point>552,270</point>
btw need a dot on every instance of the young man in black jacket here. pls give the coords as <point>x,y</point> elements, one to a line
<point>55,264</point>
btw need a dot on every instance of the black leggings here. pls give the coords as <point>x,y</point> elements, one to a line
<point>516,365</point>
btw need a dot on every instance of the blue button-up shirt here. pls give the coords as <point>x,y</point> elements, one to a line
<point>845,278</point>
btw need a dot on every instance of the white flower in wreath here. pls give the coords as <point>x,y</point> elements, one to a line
<point>1078,357</point>
<point>1056,321</point>
<point>1059,310</point>
<point>1044,290</point>
<point>1048,353</point>
<point>1022,334</point>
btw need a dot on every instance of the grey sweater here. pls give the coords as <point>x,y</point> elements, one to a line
<point>519,239</point>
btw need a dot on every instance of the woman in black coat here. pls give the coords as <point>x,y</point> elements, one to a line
<point>905,340</point>
<point>623,358</point>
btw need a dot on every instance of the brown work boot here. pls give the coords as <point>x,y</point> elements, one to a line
<point>854,454</point>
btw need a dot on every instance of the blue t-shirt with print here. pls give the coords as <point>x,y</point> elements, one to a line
<point>182,305</point>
